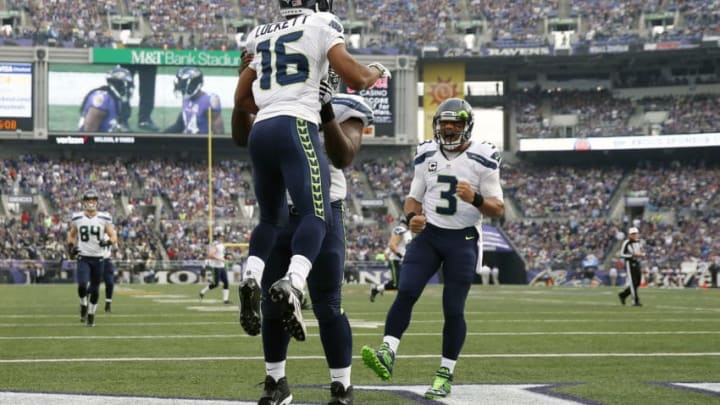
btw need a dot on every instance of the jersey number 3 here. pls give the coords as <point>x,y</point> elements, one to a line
<point>282,61</point>
<point>448,195</point>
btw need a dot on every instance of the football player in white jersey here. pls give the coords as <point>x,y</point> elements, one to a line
<point>456,181</point>
<point>342,137</point>
<point>281,87</point>
<point>108,274</point>
<point>216,260</point>
<point>399,240</point>
<point>85,241</point>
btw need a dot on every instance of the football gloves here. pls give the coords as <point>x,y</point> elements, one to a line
<point>384,72</point>
<point>326,92</point>
<point>73,251</point>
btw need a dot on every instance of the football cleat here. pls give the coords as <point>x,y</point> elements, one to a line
<point>250,295</point>
<point>108,309</point>
<point>83,312</point>
<point>148,125</point>
<point>91,320</point>
<point>289,299</point>
<point>380,361</point>
<point>276,393</point>
<point>637,304</point>
<point>201,295</point>
<point>373,293</point>
<point>339,395</point>
<point>622,298</point>
<point>441,386</point>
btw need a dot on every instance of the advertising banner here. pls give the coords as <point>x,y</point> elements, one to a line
<point>619,142</point>
<point>16,99</point>
<point>159,57</point>
<point>380,99</point>
<point>442,81</point>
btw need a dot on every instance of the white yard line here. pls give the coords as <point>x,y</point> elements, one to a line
<point>242,335</point>
<point>410,356</point>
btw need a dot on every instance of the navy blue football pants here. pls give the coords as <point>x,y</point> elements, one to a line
<point>286,154</point>
<point>324,286</point>
<point>456,250</point>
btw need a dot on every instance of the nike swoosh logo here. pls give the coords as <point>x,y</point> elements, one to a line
<point>469,237</point>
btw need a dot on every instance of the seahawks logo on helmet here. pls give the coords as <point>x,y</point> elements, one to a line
<point>188,82</point>
<point>294,8</point>
<point>453,110</point>
<point>90,200</point>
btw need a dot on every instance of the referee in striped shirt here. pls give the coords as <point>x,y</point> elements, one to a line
<point>631,253</point>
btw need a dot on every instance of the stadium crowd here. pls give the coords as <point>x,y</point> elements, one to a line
<point>600,114</point>
<point>402,25</point>
<point>564,212</point>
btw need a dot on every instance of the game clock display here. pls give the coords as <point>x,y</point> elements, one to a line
<point>15,124</point>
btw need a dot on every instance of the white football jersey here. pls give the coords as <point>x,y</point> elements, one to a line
<point>90,231</point>
<point>219,252</point>
<point>290,60</point>
<point>345,107</point>
<point>402,245</point>
<point>436,178</point>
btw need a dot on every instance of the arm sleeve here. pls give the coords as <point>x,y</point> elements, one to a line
<point>490,185</point>
<point>417,187</point>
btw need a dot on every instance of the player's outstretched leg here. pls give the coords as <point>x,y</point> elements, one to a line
<point>290,300</point>
<point>250,295</point>
<point>380,361</point>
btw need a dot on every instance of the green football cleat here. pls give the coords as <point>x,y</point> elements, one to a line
<point>441,386</point>
<point>380,361</point>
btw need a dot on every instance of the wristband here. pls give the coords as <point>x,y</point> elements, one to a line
<point>326,113</point>
<point>478,200</point>
<point>408,217</point>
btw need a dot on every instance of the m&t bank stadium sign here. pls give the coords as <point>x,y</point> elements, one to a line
<point>138,56</point>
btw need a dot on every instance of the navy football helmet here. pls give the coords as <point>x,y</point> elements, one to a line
<point>188,82</point>
<point>453,110</point>
<point>294,8</point>
<point>90,200</point>
<point>120,81</point>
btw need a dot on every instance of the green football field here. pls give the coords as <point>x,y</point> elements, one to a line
<point>524,345</point>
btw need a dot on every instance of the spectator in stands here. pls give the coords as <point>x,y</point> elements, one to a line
<point>194,118</point>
